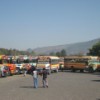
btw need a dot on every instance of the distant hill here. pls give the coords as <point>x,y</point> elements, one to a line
<point>75,48</point>
<point>29,50</point>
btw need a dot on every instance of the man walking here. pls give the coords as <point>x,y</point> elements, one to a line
<point>44,80</point>
<point>35,78</point>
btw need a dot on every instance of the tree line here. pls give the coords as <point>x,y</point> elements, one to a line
<point>4,51</point>
<point>94,51</point>
<point>61,53</point>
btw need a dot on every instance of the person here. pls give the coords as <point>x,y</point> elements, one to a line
<point>62,67</point>
<point>25,70</point>
<point>44,78</point>
<point>35,78</point>
<point>30,70</point>
<point>0,72</point>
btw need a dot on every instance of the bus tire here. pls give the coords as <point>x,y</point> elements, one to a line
<point>91,70</point>
<point>5,74</point>
<point>56,70</point>
<point>72,69</point>
<point>82,70</point>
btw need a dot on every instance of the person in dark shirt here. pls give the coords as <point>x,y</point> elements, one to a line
<point>44,78</point>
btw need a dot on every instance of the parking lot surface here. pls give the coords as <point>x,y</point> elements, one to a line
<point>62,86</point>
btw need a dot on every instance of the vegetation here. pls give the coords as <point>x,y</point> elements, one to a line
<point>95,50</point>
<point>59,54</point>
<point>4,51</point>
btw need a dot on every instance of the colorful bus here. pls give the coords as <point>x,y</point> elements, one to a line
<point>8,61</point>
<point>75,63</point>
<point>94,65</point>
<point>51,63</point>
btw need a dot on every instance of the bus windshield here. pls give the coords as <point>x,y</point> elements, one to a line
<point>43,62</point>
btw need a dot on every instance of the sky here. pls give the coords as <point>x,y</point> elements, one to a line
<point>39,23</point>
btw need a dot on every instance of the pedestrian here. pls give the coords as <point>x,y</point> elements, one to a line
<point>44,78</point>
<point>62,67</point>
<point>24,70</point>
<point>0,72</point>
<point>35,78</point>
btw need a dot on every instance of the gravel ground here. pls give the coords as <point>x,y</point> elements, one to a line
<point>62,86</point>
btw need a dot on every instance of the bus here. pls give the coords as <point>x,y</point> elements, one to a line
<point>32,60</point>
<point>75,63</point>
<point>94,65</point>
<point>51,63</point>
<point>8,61</point>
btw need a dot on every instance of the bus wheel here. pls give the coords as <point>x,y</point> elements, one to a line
<point>91,70</point>
<point>82,70</point>
<point>5,74</point>
<point>56,70</point>
<point>72,69</point>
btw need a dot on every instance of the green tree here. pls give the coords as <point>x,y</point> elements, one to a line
<point>95,50</point>
<point>63,53</point>
<point>52,54</point>
<point>58,54</point>
<point>32,53</point>
<point>15,52</point>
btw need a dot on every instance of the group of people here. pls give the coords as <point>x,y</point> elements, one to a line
<point>44,74</point>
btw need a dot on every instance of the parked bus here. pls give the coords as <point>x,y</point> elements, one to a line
<point>25,62</point>
<point>75,63</point>
<point>8,61</point>
<point>51,63</point>
<point>94,65</point>
<point>33,60</point>
<point>10,64</point>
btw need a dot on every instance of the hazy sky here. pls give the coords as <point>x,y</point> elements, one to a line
<point>39,23</point>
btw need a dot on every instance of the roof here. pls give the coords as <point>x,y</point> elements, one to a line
<point>81,57</point>
<point>48,57</point>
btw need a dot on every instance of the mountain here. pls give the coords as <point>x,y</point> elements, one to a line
<point>29,50</point>
<point>71,49</point>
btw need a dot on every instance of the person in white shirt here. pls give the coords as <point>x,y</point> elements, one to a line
<point>35,78</point>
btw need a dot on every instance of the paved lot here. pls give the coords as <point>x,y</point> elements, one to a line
<point>62,86</point>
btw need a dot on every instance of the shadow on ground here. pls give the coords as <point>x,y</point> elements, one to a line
<point>96,80</point>
<point>29,87</point>
<point>98,99</point>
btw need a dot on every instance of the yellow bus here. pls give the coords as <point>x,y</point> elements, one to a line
<point>75,63</point>
<point>51,63</point>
